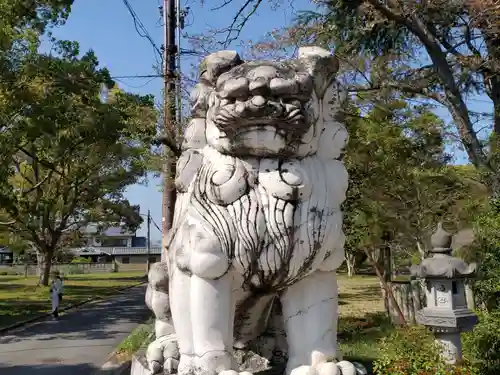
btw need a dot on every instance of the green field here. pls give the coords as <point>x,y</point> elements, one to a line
<point>21,298</point>
<point>363,320</point>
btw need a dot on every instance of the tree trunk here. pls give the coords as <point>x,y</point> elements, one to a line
<point>421,251</point>
<point>44,260</point>
<point>351,263</point>
<point>386,288</point>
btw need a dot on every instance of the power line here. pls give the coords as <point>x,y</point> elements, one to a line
<point>138,76</point>
<point>135,86</point>
<point>142,31</point>
<point>156,225</point>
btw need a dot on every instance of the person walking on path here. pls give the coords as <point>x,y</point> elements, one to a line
<point>56,293</point>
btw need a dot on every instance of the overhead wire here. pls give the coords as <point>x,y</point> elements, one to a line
<point>143,32</point>
<point>156,225</point>
<point>136,86</point>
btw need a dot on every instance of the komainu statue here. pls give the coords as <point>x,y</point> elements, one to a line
<point>257,234</point>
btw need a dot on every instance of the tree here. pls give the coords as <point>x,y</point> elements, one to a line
<point>439,51</point>
<point>23,24</point>
<point>70,154</point>
<point>400,183</point>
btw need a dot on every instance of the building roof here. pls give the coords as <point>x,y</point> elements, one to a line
<point>156,250</point>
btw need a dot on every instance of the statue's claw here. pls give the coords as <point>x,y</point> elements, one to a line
<point>163,354</point>
<point>331,368</point>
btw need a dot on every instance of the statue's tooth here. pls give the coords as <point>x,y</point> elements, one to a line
<point>237,87</point>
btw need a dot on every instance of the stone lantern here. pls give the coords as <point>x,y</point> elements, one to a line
<point>446,312</point>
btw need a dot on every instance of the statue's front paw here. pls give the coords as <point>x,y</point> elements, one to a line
<point>331,368</point>
<point>163,355</point>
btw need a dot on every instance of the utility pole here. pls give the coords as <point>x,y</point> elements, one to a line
<point>169,117</point>
<point>148,241</point>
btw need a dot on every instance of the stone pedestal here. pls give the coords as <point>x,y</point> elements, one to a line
<point>139,364</point>
<point>451,345</point>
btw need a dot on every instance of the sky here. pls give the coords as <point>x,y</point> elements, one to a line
<point>107,27</point>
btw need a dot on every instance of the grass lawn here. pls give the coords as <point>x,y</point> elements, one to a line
<point>363,320</point>
<point>21,298</point>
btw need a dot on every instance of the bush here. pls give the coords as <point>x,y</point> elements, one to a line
<point>80,260</point>
<point>482,345</point>
<point>413,351</point>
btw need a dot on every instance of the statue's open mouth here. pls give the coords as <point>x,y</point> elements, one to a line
<point>259,111</point>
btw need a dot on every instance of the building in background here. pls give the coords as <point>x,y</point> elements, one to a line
<point>6,256</point>
<point>116,244</point>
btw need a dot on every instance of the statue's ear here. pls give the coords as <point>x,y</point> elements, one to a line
<point>322,65</point>
<point>216,64</point>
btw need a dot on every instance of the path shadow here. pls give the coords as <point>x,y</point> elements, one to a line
<point>96,321</point>
<point>48,369</point>
<point>12,309</point>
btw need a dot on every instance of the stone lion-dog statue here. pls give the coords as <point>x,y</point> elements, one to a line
<point>258,219</point>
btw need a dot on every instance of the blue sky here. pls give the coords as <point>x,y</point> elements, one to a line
<point>106,27</point>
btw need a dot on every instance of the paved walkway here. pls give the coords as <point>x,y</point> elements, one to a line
<point>79,343</point>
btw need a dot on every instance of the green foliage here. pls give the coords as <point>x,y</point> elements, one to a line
<point>69,156</point>
<point>18,16</point>
<point>81,260</point>
<point>487,252</point>
<point>482,345</point>
<point>412,351</point>
<point>355,24</point>
<point>14,242</point>
<point>400,182</point>
<point>136,339</point>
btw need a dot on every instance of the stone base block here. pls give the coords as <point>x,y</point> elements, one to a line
<point>139,365</point>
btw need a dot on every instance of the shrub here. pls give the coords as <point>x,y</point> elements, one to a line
<point>80,260</point>
<point>482,345</point>
<point>412,351</point>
